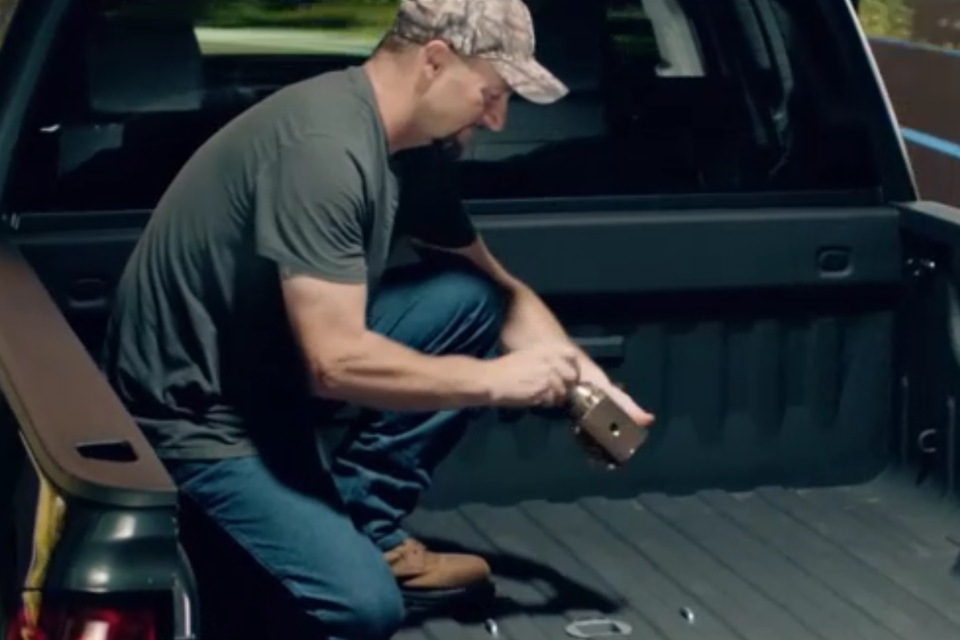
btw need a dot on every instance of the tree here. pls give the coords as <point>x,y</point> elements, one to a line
<point>887,18</point>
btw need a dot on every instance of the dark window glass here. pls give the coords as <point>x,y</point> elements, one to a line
<point>667,97</point>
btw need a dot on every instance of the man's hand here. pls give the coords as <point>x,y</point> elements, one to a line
<point>539,376</point>
<point>641,417</point>
<point>530,322</point>
<point>592,373</point>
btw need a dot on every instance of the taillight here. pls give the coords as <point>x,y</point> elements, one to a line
<point>84,623</point>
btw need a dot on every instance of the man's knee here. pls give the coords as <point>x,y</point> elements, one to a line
<point>444,306</point>
<point>339,579</point>
<point>367,610</point>
<point>471,301</point>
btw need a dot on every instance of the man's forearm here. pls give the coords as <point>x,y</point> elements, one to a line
<point>380,373</point>
<point>530,321</point>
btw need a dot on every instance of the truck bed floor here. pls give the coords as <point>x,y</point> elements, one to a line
<point>870,562</point>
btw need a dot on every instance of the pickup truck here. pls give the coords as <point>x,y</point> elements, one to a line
<point>721,212</point>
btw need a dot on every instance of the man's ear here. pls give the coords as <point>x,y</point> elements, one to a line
<point>437,55</point>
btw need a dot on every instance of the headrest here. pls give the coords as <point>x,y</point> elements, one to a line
<point>569,33</point>
<point>139,66</point>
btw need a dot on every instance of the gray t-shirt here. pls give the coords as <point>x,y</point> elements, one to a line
<point>198,345</point>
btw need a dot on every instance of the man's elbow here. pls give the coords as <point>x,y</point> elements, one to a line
<point>326,380</point>
<point>331,369</point>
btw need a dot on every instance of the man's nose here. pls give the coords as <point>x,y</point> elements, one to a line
<point>495,117</point>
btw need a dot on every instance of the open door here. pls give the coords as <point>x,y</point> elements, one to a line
<point>929,343</point>
<point>87,512</point>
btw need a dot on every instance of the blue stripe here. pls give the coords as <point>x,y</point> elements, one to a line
<point>910,44</point>
<point>945,147</point>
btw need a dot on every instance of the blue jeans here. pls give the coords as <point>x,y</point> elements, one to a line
<point>319,528</point>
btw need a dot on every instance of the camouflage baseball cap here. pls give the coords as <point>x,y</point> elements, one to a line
<point>500,31</point>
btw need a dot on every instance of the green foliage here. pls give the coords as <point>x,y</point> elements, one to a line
<point>887,18</point>
<point>338,14</point>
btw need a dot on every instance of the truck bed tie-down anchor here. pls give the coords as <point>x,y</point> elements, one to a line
<point>589,628</point>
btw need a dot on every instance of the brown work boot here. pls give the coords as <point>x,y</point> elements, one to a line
<point>429,580</point>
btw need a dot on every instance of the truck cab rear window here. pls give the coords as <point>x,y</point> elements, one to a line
<point>667,97</point>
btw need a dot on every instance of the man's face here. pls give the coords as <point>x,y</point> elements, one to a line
<point>460,96</point>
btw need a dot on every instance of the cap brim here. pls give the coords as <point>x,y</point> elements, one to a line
<point>531,80</point>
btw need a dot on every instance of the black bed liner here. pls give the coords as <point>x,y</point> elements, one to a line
<point>869,562</point>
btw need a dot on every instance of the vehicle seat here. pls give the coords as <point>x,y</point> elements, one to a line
<point>684,134</point>
<point>142,79</point>
<point>580,114</point>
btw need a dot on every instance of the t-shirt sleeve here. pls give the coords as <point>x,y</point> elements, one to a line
<point>310,211</point>
<point>431,209</point>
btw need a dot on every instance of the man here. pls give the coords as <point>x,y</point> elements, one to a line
<point>258,287</point>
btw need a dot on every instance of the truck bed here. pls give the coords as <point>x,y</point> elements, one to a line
<point>872,561</point>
